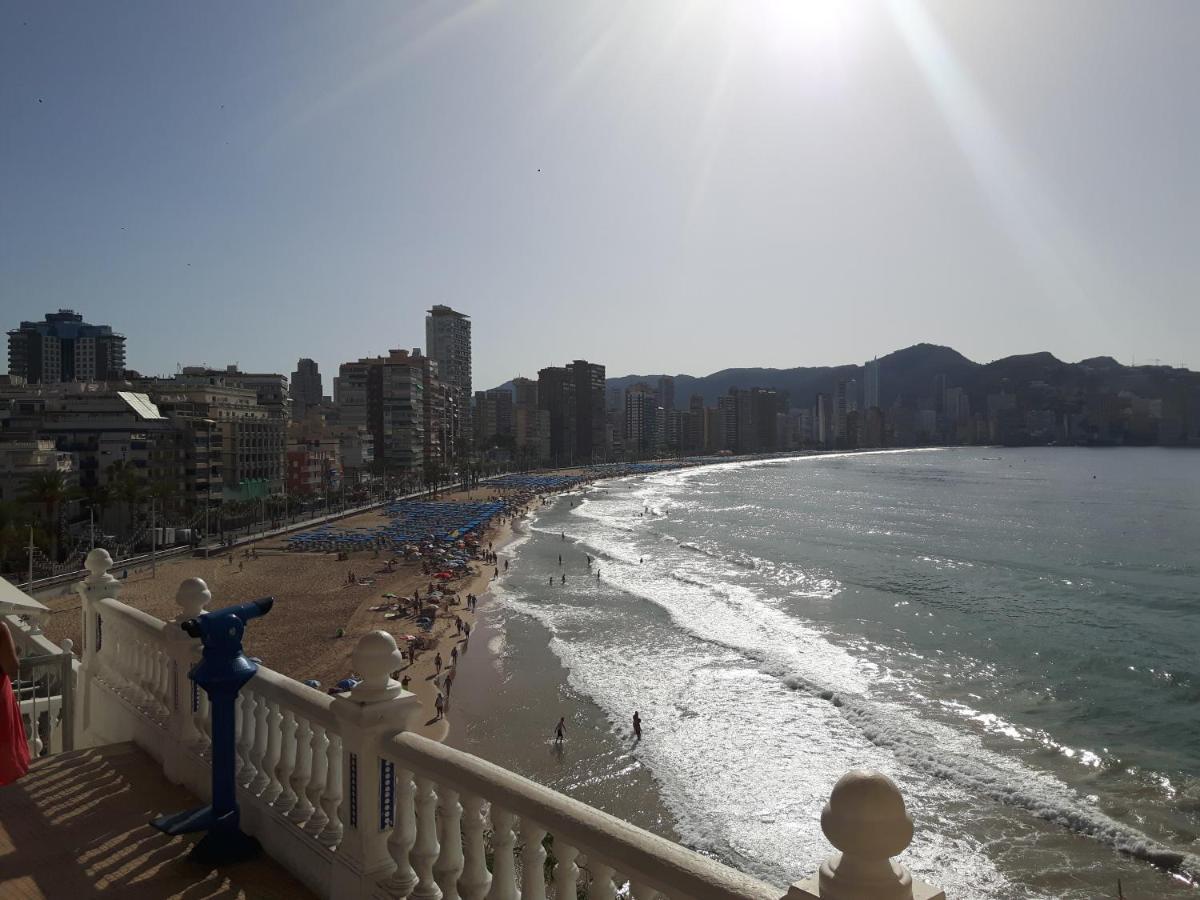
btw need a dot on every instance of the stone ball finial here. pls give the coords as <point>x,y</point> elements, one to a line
<point>865,816</point>
<point>375,658</point>
<point>193,595</point>
<point>98,562</point>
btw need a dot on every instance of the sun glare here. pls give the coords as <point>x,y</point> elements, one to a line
<point>817,27</point>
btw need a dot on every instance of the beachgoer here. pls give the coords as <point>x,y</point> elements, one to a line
<point>559,730</point>
<point>467,630</point>
<point>506,565</point>
<point>437,662</point>
<point>552,579</point>
<point>14,746</point>
<point>560,559</point>
<point>241,566</point>
<point>637,725</point>
<point>453,656</point>
<point>405,682</point>
<point>564,578</point>
<point>439,704</point>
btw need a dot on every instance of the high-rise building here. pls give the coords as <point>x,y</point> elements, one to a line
<point>448,343</point>
<point>386,395</point>
<point>840,408</point>
<point>65,348</point>
<point>871,383</point>
<point>823,421</point>
<point>665,393</point>
<point>524,392</point>
<point>589,411</point>
<point>493,416</point>
<point>640,421</point>
<point>306,388</point>
<point>574,396</point>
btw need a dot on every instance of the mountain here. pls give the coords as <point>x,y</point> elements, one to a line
<point>910,374</point>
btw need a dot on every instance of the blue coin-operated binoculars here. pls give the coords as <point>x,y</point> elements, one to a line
<point>222,671</point>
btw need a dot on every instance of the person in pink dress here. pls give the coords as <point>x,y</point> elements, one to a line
<point>14,748</point>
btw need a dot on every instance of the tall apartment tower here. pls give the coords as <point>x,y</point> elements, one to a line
<point>306,388</point>
<point>65,348</point>
<point>448,343</point>
<point>665,394</point>
<point>871,383</point>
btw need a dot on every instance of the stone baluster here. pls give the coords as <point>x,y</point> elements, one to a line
<point>400,842</point>
<point>262,716</point>
<point>184,652</point>
<point>273,788</point>
<point>866,820</point>
<point>246,740</point>
<point>203,713</point>
<point>425,850</point>
<point>182,699</point>
<point>533,861</point>
<point>373,711</point>
<point>331,797</point>
<point>302,773</point>
<point>504,874</point>
<point>450,861</point>
<point>602,887</point>
<point>475,880</point>
<point>566,872</point>
<point>319,744</point>
<point>285,799</point>
<point>97,585</point>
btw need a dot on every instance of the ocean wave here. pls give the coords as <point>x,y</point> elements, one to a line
<point>1035,793</point>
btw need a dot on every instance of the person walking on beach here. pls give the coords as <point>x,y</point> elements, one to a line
<point>453,656</point>
<point>506,565</point>
<point>564,578</point>
<point>560,559</point>
<point>437,662</point>
<point>439,704</point>
<point>637,726</point>
<point>552,579</point>
<point>559,730</point>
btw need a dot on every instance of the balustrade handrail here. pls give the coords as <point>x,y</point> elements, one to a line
<point>291,694</point>
<point>664,865</point>
<point>151,626</point>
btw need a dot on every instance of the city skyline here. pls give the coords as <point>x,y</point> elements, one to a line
<point>898,173</point>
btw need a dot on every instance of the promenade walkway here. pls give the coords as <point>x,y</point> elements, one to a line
<point>78,826</point>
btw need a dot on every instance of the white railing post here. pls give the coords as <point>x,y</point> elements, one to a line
<point>866,820</point>
<point>182,653</point>
<point>98,585</point>
<point>375,709</point>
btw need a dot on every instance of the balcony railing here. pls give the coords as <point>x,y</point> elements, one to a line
<point>355,805</point>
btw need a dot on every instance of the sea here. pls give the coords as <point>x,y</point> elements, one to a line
<point>1011,635</point>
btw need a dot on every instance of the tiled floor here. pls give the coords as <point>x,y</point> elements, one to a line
<point>77,826</point>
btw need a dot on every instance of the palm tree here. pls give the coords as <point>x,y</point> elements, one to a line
<point>51,490</point>
<point>130,490</point>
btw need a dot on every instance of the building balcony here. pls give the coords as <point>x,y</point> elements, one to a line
<point>345,799</point>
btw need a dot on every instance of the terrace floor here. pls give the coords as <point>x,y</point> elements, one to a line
<point>77,826</point>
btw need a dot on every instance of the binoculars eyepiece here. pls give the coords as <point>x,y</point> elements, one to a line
<point>223,621</point>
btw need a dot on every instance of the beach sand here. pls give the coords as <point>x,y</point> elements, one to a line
<point>313,599</point>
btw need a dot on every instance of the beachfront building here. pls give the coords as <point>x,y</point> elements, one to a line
<point>314,464</point>
<point>306,389</point>
<point>255,409</point>
<point>386,396</point>
<point>65,348</point>
<point>871,383</point>
<point>448,343</point>
<point>641,421</point>
<point>22,457</point>
<point>493,416</point>
<point>346,800</point>
<point>531,423</point>
<point>574,396</point>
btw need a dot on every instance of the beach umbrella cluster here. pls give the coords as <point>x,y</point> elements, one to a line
<point>411,525</point>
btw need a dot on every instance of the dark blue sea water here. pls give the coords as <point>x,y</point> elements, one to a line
<point>1012,635</point>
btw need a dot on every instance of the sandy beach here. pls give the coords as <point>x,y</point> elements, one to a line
<point>314,599</point>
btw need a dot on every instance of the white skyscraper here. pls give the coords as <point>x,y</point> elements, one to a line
<point>448,342</point>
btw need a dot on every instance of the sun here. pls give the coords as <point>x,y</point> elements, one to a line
<point>804,26</point>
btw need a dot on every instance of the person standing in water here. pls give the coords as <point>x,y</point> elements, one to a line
<point>559,730</point>
<point>637,726</point>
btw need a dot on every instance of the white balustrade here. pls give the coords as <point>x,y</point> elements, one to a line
<point>425,851</point>
<point>449,865</point>
<point>476,879</point>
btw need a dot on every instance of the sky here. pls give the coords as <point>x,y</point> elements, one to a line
<point>658,186</point>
